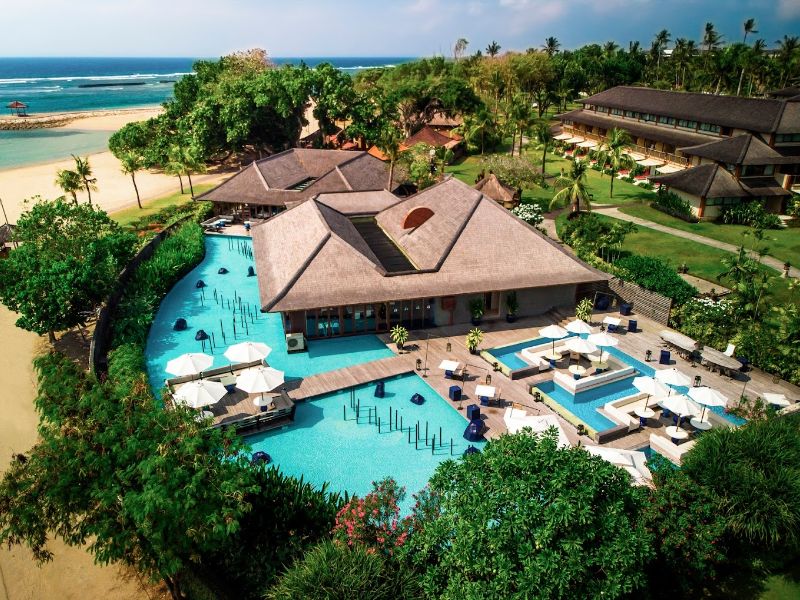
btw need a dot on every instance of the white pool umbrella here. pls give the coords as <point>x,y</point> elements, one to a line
<point>200,393</point>
<point>581,346</point>
<point>651,387</point>
<point>579,327</point>
<point>259,380</point>
<point>681,406</point>
<point>602,340</point>
<point>189,364</point>
<point>247,352</point>
<point>776,399</point>
<point>707,397</point>
<point>553,332</point>
<point>672,377</point>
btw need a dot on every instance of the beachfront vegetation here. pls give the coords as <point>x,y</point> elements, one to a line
<point>67,261</point>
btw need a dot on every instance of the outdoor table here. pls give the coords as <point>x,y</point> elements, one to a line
<point>449,366</point>
<point>600,366</point>
<point>263,403</point>
<point>720,359</point>
<point>644,414</point>
<point>613,321</point>
<point>577,370</point>
<point>700,425</point>
<point>487,391</point>
<point>680,341</point>
<point>553,355</point>
<point>675,433</point>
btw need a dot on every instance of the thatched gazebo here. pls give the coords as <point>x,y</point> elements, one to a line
<point>498,191</point>
<point>20,108</point>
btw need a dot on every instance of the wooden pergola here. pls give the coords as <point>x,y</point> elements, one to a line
<point>20,108</point>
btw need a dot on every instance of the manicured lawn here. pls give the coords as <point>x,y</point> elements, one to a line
<point>783,244</point>
<point>780,587</point>
<point>703,261</point>
<point>126,216</point>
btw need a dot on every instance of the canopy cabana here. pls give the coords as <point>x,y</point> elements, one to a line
<point>20,108</point>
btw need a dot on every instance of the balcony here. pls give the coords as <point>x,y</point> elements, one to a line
<point>674,159</point>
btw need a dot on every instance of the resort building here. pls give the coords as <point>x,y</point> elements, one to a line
<point>358,262</point>
<point>270,185</point>
<point>748,148</point>
<point>498,191</point>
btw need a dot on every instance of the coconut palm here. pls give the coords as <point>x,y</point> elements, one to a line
<point>84,170</point>
<point>174,165</point>
<point>749,27</point>
<point>388,142</point>
<point>493,49</point>
<point>192,163</point>
<point>551,46</point>
<point>711,37</point>
<point>787,55</point>
<point>521,119</point>
<point>478,126</point>
<point>132,163</point>
<point>661,40</point>
<point>574,190</point>
<point>544,138</point>
<point>69,182</point>
<point>610,49</point>
<point>613,154</point>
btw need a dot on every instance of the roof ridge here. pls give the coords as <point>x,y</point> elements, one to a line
<point>261,175</point>
<point>745,148</point>
<point>710,180</point>
<point>346,182</point>
<point>460,230</point>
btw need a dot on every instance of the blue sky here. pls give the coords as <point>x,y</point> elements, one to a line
<point>363,27</point>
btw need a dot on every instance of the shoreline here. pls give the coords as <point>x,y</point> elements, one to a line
<point>54,120</point>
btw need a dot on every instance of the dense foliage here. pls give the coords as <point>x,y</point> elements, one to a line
<point>172,489</point>
<point>67,261</point>
<point>655,275</point>
<point>752,214</point>
<point>672,204</point>
<point>524,517</point>
<point>591,236</point>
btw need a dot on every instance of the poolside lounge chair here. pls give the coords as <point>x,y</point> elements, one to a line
<point>729,350</point>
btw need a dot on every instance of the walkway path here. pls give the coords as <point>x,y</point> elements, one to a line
<point>617,214</point>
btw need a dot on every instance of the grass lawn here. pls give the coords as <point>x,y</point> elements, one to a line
<point>703,261</point>
<point>784,244</point>
<point>127,215</point>
<point>780,587</point>
<point>624,193</point>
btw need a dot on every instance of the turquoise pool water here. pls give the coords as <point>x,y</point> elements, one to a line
<point>202,311</point>
<point>322,447</point>
<point>507,355</point>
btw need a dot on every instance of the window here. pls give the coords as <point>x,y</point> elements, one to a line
<point>710,127</point>
<point>617,112</point>
<point>687,124</point>
<point>649,118</point>
<point>722,201</point>
<point>751,170</point>
<point>631,115</point>
<point>787,137</point>
<point>667,120</point>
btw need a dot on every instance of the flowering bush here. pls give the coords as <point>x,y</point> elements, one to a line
<point>709,321</point>
<point>530,213</point>
<point>374,520</point>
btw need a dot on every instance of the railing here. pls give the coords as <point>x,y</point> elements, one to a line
<point>647,152</point>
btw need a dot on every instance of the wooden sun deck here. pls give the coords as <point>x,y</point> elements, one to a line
<point>340,379</point>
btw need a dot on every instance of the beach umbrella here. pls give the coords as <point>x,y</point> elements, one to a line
<point>650,386</point>
<point>579,327</point>
<point>707,397</point>
<point>672,376</point>
<point>191,363</point>
<point>553,332</point>
<point>776,399</point>
<point>247,352</point>
<point>259,380</point>
<point>602,340</point>
<point>681,406</point>
<point>200,393</point>
<point>581,346</point>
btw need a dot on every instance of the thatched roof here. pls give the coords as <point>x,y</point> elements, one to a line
<point>713,181</point>
<point>753,114</point>
<point>667,135</point>
<point>314,256</point>
<point>363,203</point>
<point>496,190</point>
<point>298,174</point>
<point>444,121</point>
<point>740,150</point>
<point>787,92</point>
<point>6,233</point>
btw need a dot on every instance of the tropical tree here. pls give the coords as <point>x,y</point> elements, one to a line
<point>551,46</point>
<point>68,260</point>
<point>84,171</point>
<point>787,55</point>
<point>661,40</point>
<point>544,139</point>
<point>749,27</point>
<point>478,127</point>
<point>175,165</point>
<point>573,188</point>
<point>493,49</point>
<point>613,154</point>
<point>69,182</point>
<point>561,522</point>
<point>132,163</point>
<point>388,142</point>
<point>459,48</point>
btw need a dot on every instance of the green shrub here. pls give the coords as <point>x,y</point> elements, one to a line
<point>710,322</point>
<point>674,205</point>
<point>335,570</point>
<point>752,214</point>
<point>655,275</point>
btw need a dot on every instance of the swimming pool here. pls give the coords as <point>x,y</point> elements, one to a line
<point>204,310</point>
<point>507,355</point>
<point>322,447</point>
<point>584,405</point>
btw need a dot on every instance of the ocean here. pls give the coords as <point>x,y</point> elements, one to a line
<point>71,84</point>
<point>81,84</point>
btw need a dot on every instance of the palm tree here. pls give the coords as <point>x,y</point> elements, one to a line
<point>787,50</point>
<point>389,143</point>
<point>613,154</point>
<point>544,138</point>
<point>459,48</point>
<point>609,49</point>
<point>679,58</point>
<point>574,190</point>
<point>84,170</point>
<point>493,49</point>
<point>69,182</point>
<point>131,163</point>
<point>551,46</point>
<point>749,27</point>
<point>711,37</point>
<point>757,59</point>
<point>478,126</point>
<point>661,41</point>
<point>521,118</point>
<point>192,163</point>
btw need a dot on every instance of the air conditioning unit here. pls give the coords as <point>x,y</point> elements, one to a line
<point>295,342</point>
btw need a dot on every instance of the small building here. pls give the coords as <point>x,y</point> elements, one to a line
<point>430,136</point>
<point>444,123</point>
<point>360,262</point>
<point>503,194</point>
<point>266,187</point>
<point>6,238</point>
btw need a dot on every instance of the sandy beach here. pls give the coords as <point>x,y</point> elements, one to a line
<point>115,189</point>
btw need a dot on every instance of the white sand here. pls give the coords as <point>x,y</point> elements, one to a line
<point>115,188</point>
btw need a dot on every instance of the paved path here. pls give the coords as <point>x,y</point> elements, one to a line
<point>767,260</point>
